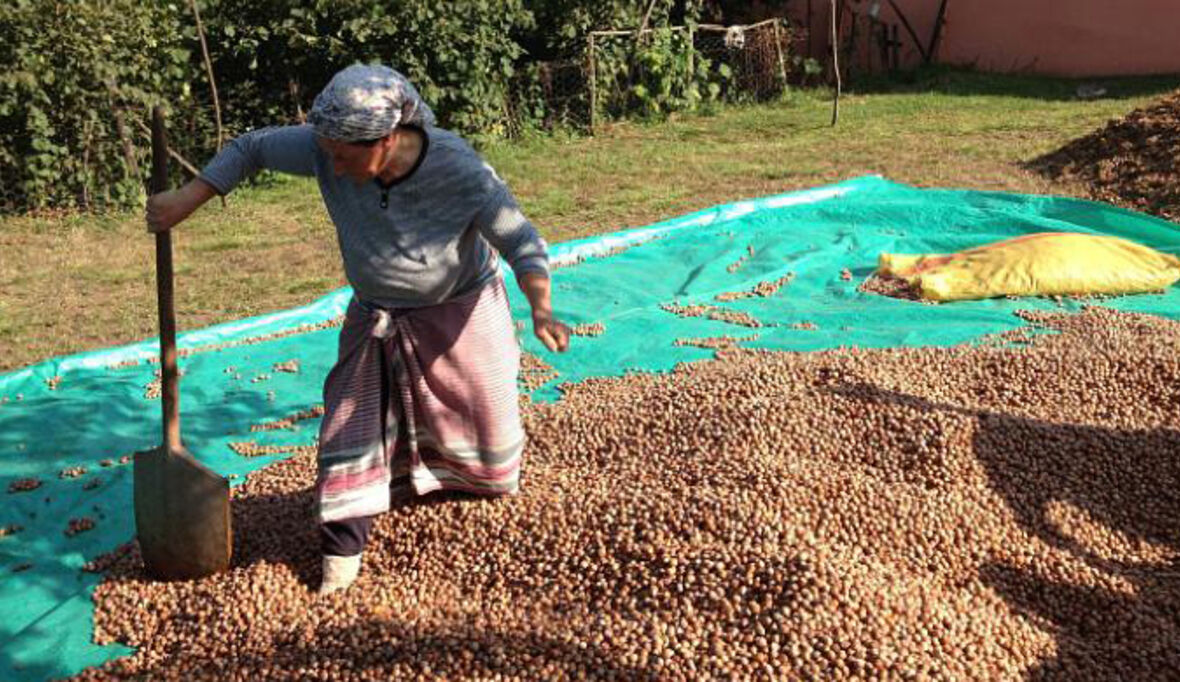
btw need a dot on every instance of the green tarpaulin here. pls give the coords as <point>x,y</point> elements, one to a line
<point>80,410</point>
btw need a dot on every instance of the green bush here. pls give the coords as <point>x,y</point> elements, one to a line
<point>73,63</point>
<point>68,66</point>
<point>76,69</point>
<point>563,25</point>
<point>272,58</point>
<point>651,77</point>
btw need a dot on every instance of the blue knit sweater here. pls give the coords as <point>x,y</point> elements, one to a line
<point>429,237</point>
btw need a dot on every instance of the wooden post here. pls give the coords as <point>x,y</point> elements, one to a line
<point>895,48</point>
<point>593,67</point>
<point>910,29</point>
<point>883,43</point>
<point>867,50</point>
<point>932,50</point>
<point>692,57</point>
<point>810,30</point>
<point>88,129</point>
<point>778,46</point>
<point>850,46</point>
<point>293,89</point>
<point>835,65</point>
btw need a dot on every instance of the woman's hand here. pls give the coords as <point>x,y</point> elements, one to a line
<point>166,209</point>
<point>555,335</point>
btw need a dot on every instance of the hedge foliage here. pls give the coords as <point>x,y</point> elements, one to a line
<point>82,75</point>
<point>68,67</point>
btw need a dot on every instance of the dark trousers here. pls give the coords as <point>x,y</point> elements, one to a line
<point>346,537</point>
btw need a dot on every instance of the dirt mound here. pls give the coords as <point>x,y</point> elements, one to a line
<point>1133,161</point>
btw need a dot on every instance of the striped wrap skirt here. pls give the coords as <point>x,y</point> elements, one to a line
<point>421,399</point>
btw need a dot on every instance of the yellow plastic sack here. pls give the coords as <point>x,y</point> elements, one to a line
<point>1044,264</point>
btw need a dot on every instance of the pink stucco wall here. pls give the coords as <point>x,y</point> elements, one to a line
<point>1058,37</point>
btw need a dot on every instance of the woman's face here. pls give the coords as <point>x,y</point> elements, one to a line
<point>359,162</point>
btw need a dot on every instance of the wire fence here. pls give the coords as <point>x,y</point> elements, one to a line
<point>548,96</point>
<point>757,56</point>
<point>621,73</point>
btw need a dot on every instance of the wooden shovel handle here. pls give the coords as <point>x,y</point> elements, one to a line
<point>170,391</point>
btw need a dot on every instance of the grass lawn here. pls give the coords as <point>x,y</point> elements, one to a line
<point>80,283</point>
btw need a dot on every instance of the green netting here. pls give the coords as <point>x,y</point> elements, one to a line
<point>80,410</point>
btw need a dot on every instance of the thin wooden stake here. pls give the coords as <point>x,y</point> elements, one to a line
<point>646,17</point>
<point>172,152</point>
<point>293,89</point>
<point>212,80</point>
<point>593,66</point>
<point>208,68</point>
<point>895,46</point>
<point>835,67</point>
<point>88,128</point>
<point>131,167</point>
<point>810,30</point>
<point>939,21</point>
<point>910,29</point>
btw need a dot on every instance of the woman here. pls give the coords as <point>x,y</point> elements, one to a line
<point>423,396</point>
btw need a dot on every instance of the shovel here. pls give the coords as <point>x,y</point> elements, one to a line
<point>182,516</point>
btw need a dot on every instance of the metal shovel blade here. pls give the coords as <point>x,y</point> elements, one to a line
<point>182,515</point>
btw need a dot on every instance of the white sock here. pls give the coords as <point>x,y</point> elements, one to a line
<point>339,572</point>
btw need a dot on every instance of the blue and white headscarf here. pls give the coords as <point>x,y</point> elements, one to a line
<point>366,102</point>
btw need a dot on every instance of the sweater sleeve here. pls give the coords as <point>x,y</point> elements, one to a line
<point>287,149</point>
<point>502,223</point>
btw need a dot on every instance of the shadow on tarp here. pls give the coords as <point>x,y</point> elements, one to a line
<point>1101,634</point>
<point>77,410</point>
